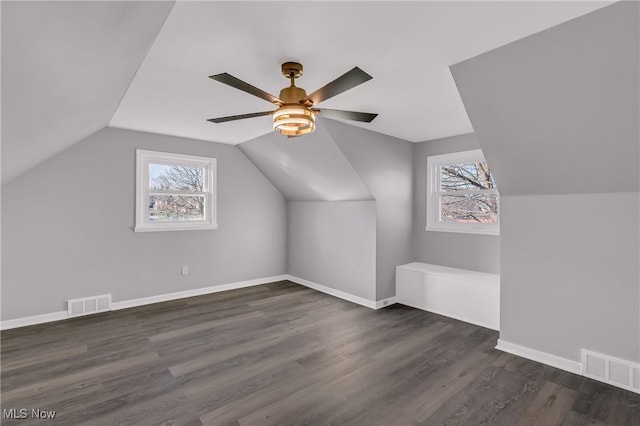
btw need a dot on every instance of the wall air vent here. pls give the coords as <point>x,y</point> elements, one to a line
<point>608,369</point>
<point>89,305</point>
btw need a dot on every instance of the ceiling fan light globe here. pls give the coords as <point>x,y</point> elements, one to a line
<point>294,120</point>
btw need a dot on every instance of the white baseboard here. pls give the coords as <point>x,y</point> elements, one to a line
<point>386,302</point>
<point>195,292</point>
<point>124,304</point>
<point>57,316</point>
<point>33,320</point>
<point>539,356</point>
<point>333,292</point>
<point>341,294</point>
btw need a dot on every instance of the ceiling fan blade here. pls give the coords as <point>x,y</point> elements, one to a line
<point>346,81</point>
<point>367,117</point>
<point>238,117</point>
<point>232,81</point>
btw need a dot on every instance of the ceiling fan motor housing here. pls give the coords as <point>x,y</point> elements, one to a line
<point>292,95</point>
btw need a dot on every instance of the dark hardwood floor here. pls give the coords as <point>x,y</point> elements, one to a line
<point>285,354</point>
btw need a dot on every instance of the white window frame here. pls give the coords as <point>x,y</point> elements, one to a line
<point>433,195</point>
<point>143,224</point>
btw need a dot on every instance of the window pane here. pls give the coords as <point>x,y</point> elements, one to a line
<point>477,208</point>
<point>456,177</point>
<point>176,207</point>
<point>175,177</point>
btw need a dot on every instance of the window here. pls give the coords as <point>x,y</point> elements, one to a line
<point>461,194</point>
<point>174,192</point>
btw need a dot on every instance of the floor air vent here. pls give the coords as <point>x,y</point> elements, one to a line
<point>89,305</point>
<point>608,369</point>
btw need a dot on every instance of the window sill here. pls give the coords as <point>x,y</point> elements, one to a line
<point>167,227</point>
<point>478,231</point>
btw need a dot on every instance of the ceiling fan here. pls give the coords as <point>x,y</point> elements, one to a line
<point>296,112</point>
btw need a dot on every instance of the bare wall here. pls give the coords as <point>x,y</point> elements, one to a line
<point>333,243</point>
<point>385,165</point>
<point>67,227</point>
<point>570,277</point>
<point>556,115</point>
<point>467,251</point>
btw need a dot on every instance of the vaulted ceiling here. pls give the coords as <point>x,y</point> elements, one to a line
<point>71,68</point>
<point>568,99</point>
<point>65,67</point>
<point>314,170</point>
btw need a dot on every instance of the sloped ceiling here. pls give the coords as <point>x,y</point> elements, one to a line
<point>306,168</point>
<point>406,46</point>
<point>558,112</point>
<point>65,67</point>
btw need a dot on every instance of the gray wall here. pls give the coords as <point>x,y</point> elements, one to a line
<point>556,115</point>
<point>334,244</point>
<point>332,234</point>
<point>341,162</point>
<point>457,250</point>
<point>385,165</point>
<point>557,112</point>
<point>570,277</point>
<point>67,227</point>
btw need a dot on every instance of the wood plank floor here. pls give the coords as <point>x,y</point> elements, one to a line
<point>284,354</point>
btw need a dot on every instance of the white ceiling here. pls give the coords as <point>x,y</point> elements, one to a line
<point>65,67</point>
<point>406,47</point>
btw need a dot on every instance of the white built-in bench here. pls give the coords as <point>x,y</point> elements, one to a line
<point>469,296</point>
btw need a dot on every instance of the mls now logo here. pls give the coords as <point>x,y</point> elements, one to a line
<point>23,413</point>
<point>15,413</point>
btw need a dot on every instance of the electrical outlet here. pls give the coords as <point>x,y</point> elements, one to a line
<point>184,270</point>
